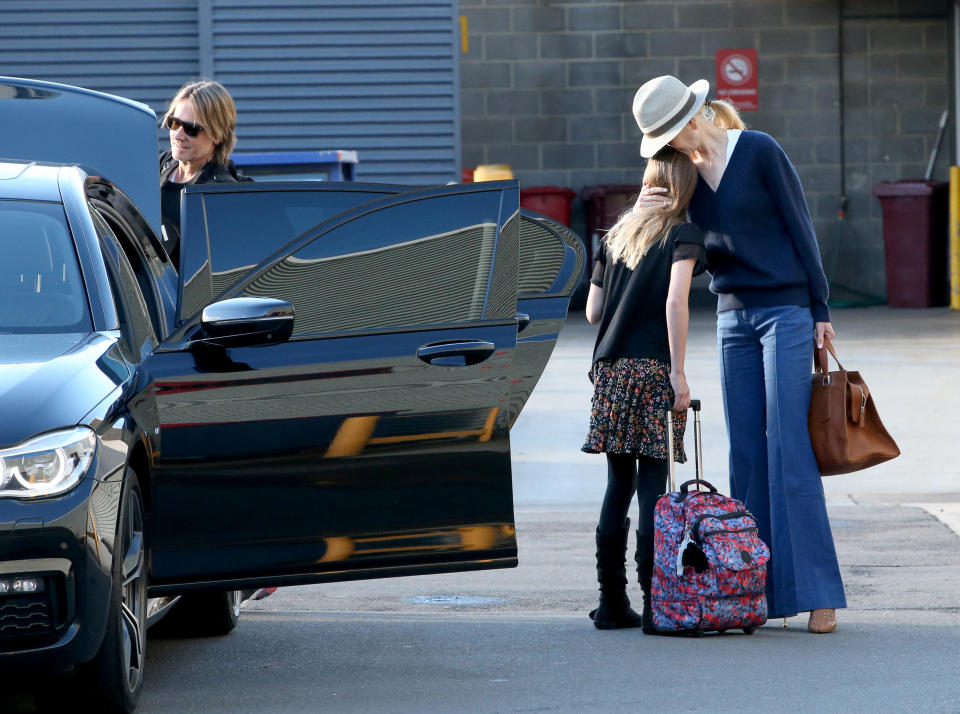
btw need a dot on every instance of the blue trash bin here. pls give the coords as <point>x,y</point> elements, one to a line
<point>332,165</point>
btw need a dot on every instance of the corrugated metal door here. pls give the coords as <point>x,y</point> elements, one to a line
<point>139,51</point>
<point>376,76</point>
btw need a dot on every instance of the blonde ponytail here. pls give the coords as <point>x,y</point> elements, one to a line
<point>723,114</point>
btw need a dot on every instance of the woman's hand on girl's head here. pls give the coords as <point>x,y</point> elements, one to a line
<point>652,197</point>
<point>681,392</point>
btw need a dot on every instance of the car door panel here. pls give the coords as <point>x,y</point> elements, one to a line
<point>274,459</point>
<point>232,228</point>
<point>551,262</point>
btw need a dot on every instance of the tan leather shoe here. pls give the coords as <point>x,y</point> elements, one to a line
<point>822,621</point>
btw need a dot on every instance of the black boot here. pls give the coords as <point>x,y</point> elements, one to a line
<point>644,559</point>
<point>614,611</point>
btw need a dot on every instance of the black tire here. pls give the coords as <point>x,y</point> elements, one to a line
<point>202,615</point>
<point>749,630</point>
<point>114,677</point>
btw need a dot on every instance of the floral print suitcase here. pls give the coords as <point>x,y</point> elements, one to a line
<point>709,571</point>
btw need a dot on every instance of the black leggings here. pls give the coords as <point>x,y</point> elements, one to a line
<point>628,474</point>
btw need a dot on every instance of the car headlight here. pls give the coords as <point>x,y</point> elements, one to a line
<point>47,465</point>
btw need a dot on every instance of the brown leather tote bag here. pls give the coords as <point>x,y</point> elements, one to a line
<point>845,429</point>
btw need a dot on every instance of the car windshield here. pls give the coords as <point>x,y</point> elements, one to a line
<point>40,286</point>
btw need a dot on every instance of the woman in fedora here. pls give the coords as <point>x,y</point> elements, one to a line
<point>772,305</point>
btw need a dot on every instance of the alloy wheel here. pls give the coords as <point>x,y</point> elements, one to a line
<point>133,595</point>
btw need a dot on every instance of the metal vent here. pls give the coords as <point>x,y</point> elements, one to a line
<point>25,616</point>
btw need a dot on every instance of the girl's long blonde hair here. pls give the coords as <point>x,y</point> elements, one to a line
<point>635,233</point>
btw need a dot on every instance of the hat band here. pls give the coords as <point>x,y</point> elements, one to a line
<point>669,124</point>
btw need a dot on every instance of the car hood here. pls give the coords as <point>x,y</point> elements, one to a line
<point>52,381</point>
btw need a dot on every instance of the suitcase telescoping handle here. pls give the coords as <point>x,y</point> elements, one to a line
<point>698,458</point>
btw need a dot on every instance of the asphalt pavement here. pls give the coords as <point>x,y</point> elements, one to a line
<point>519,640</point>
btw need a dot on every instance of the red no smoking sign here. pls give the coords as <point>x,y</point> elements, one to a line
<point>737,78</point>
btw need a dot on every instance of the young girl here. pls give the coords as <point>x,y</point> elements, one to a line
<point>638,294</point>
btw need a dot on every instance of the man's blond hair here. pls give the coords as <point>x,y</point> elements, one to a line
<point>214,110</point>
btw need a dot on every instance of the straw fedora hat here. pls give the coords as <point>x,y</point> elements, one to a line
<point>662,107</point>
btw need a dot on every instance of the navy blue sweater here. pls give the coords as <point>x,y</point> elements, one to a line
<point>761,247</point>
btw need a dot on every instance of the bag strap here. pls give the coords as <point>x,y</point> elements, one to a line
<point>821,361</point>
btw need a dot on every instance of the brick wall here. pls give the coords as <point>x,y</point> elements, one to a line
<point>547,87</point>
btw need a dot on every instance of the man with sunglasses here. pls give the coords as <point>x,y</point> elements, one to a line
<point>202,121</point>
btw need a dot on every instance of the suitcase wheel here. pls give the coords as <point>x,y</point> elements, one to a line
<point>749,630</point>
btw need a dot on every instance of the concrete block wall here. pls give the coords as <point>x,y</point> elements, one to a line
<point>547,85</point>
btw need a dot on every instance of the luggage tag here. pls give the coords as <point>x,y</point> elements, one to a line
<point>687,541</point>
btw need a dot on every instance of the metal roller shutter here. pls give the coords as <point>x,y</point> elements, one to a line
<point>143,52</point>
<point>376,76</point>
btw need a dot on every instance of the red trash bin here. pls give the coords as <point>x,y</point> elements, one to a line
<point>603,204</point>
<point>915,241</point>
<point>551,201</point>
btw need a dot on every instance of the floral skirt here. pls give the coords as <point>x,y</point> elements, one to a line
<point>628,412</point>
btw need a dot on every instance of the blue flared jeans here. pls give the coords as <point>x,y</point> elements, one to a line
<point>766,355</point>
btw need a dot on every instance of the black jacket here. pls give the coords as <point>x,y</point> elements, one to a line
<point>170,196</point>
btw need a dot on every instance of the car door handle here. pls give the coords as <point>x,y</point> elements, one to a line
<point>523,319</point>
<point>456,354</point>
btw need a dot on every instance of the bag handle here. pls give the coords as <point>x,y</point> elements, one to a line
<point>821,361</point>
<point>684,487</point>
<point>698,456</point>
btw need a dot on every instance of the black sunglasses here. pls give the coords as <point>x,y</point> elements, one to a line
<point>191,129</point>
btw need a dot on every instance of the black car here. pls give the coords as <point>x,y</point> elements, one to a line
<point>323,392</point>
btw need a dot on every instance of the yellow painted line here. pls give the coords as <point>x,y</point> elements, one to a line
<point>409,549</point>
<point>355,433</point>
<point>352,436</point>
<point>338,548</point>
<point>955,237</point>
<point>488,426</point>
<point>423,437</point>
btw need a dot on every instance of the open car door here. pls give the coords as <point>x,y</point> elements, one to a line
<point>551,264</point>
<point>375,440</point>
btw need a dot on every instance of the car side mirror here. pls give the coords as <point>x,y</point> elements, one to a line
<point>247,321</point>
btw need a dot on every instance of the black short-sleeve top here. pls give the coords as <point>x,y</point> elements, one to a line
<point>633,321</point>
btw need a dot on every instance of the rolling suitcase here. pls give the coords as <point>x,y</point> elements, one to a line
<point>709,571</point>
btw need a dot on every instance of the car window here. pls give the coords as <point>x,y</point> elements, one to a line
<point>408,264</point>
<point>41,289</point>
<point>143,273</point>
<point>139,336</point>
<point>244,228</point>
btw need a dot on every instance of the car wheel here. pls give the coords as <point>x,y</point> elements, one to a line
<point>115,675</point>
<point>202,615</point>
